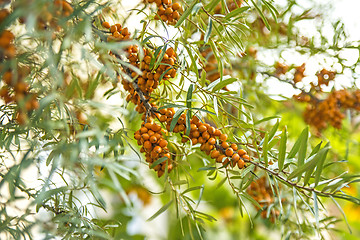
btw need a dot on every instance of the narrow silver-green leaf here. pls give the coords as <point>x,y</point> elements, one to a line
<point>208,31</point>
<point>176,118</point>
<point>282,150</point>
<point>161,210</point>
<point>320,164</point>
<point>265,149</point>
<point>185,14</point>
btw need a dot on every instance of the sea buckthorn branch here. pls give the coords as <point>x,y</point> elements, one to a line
<point>150,136</point>
<point>299,188</point>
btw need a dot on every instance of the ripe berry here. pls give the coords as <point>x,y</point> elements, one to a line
<point>241,152</point>
<point>229,152</point>
<point>223,137</point>
<point>225,145</point>
<point>212,141</point>
<point>241,164</point>
<point>176,6</point>
<point>202,128</point>
<point>153,139</point>
<point>147,145</point>
<point>234,147</point>
<point>214,154</point>
<point>246,157</point>
<point>157,149</point>
<point>163,143</point>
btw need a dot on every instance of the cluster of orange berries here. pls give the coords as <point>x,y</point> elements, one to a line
<point>167,11</point>
<point>7,48</point>
<point>319,114</point>
<point>213,141</point>
<point>150,138</point>
<point>14,89</point>
<point>231,5</point>
<point>117,32</point>
<point>260,190</point>
<point>49,14</point>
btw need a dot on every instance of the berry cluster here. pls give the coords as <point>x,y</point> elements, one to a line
<point>150,137</point>
<point>117,32</point>
<point>7,48</point>
<point>49,14</point>
<point>319,114</point>
<point>260,190</point>
<point>213,141</point>
<point>167,11</point>
<point>15,89</point>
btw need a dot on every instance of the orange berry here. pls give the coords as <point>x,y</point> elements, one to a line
<point>220,158</point>
<point>176,15</point>
<point>214,154</point>
<point>163,143</point>
<point>163,118</point>
<point>217,132</point>
<point>147,145</point>
<point>157,149</point>
<point>143,130</point>
<point>113,28</point>
<point>211,130</point>
<point>137,136</point>
<point>168,11</point>
<point>205,135</point>
<point>246,157</point>
<point>156,128</point>
<point>212,141</point>
<point>229,152</point>
<point>202,128</point>
<point>236,157</point>
<point>223,137</point>
<point>234,147</point>
<point>196,134</point>
<point>194,141</point>
<point>148,125</point>
<point>241,152</point>
<point>106,25</point>
<point>176,6</point>
<point>153,139</point>
<point>118,26</point>
<point>241,164</point>
<point>145,136</point>
<point>225,145</point>
<point>201,140</point>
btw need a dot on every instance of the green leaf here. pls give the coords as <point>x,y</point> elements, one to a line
<point>176,118</point>
<point>271,9</point>
<point>157,162</point>
<point>302,138</point>
<point>208,31</point>
<point>265,119</point>
<point>320,164</point>
<point>309,165</point>
<point>216,108</point>
<point>342,212</point>
<point>196,8</point>
<point>316,210</point>
<point>193,189</point>
<point>160,211</point>
<point>223,83</point>
<point>273,130</point>
<point>188,117</point>
<point>262,15</point>
<point>236,12</point>
<point>189,96</point>
<point>282,150</point>
<point>185,14</point>
<point>265,149</point>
